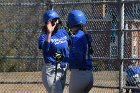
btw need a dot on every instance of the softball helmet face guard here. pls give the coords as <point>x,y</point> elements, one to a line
<point>76,17</point>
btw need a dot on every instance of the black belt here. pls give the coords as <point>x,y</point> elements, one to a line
<point>83,69</point>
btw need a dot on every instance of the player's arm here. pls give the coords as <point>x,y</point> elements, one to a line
<point>45,41</point>
<point>49,29</point>
<point>41,40</point>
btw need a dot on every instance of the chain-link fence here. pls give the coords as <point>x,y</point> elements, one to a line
<point>113,24</point>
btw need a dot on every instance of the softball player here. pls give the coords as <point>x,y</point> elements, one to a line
<point>53,40</point>
<point>132,76</point>
<point>80,62</point>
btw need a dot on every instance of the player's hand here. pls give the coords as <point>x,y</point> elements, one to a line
<point>50,27</point>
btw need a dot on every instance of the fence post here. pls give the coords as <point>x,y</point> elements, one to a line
<point>121,44</point>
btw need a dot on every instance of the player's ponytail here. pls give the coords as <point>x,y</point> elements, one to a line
<point>82,27</point>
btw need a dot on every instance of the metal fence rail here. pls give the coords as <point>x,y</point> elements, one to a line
<point>113,24</point>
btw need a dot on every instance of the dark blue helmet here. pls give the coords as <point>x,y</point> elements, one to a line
<point>49,15</point>
<point>76,17</point>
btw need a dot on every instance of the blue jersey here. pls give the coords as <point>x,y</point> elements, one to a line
<point>79,51</point>
<point>138,68</point>
<point>58,43</point>
<point>131,71</point>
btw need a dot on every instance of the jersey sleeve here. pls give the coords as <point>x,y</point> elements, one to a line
<point>42,44</point>
<point>41,40</point>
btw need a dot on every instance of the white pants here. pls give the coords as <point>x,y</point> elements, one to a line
<point>48,75</point>
<point>80,81</point>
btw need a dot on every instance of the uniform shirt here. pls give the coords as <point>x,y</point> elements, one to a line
<point>58,43</point>
<point>138,68</point>
<point>131,71</point>
<point>79,52</point>
<point>132,74</point>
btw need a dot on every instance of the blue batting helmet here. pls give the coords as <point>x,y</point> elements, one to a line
<point>76,17</point>
<point>49,15</point>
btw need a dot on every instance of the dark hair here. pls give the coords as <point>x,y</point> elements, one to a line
<point>82,27</point>
<point>44,29</point>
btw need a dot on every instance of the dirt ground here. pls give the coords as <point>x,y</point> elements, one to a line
<point>102,78</point>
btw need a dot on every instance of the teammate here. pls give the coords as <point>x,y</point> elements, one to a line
<point>132,76</point>
<point>80,62</point>
<point>53,40</point>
